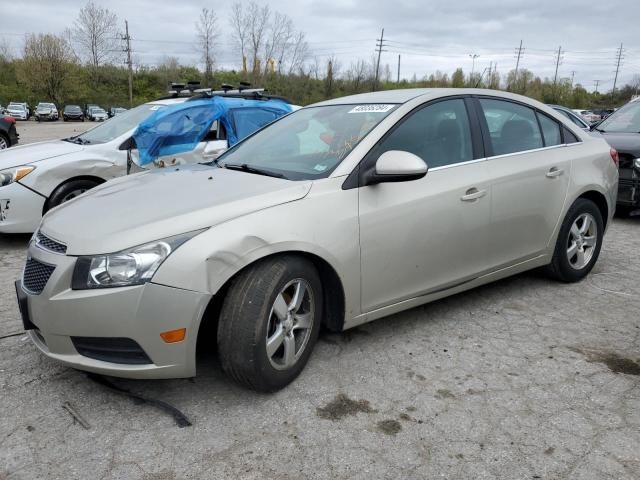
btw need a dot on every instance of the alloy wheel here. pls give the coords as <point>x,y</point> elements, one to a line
<point>290,324</point>
<point>3,143</point>
<point>582,241</point>
<point>73,194</point>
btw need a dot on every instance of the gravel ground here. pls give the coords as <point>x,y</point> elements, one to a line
<point>521,379</point>
<point>32,131</point>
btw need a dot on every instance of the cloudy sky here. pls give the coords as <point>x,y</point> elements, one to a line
<point>429,35</point>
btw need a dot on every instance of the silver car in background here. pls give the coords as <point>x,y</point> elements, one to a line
<point>338,214</point>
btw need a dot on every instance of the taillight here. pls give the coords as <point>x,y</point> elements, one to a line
<point>9,119</point>
<point>614,156</point>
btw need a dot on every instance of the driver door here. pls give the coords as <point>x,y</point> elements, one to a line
<point>422,236</point>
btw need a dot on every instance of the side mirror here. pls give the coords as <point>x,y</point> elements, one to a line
<point>128,144</point>
<point>397,166</point>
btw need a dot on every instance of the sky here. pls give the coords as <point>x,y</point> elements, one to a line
<point>428,35</point>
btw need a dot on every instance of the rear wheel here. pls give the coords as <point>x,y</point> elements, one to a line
<point>579,242</point>
<point>4,141</point>
<point>269,322</point>
<point>69,191</point>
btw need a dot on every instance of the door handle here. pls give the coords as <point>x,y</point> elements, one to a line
<point>554,172</point>
<point>473,194</point>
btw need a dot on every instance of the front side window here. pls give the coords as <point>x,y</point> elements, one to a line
<point>116,126</point>
<point>309,143</point>
<point>439,134</point>
<point>550,131</point>
<point>512,127</point>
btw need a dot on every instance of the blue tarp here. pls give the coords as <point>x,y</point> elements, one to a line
<point>179,128</point>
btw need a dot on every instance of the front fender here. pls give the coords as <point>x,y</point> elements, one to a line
<point>323,224</point>
<point>51,173</point>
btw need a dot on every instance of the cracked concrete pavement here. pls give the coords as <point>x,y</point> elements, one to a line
<point>521,379</point>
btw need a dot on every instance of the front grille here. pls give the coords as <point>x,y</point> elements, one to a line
<point>111,349</point>
<point>48,244</point>
<point>36,275</point>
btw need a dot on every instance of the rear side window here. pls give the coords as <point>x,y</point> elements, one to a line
<point>438,133</point>
<point>569,136</point>
<point>550,131</point>
<point>512,127</point>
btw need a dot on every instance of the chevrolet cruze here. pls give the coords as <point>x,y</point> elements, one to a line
<point>341,213</point>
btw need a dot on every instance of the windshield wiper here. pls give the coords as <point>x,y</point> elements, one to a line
<point>78,140</point>
<point>598,129</point>
<point>249,169</point>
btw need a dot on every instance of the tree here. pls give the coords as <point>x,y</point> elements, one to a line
<point>457,79</point>
<point>240,32</point>
<point>206,27</point>
<point>94,31</point>
<point>48,61</point>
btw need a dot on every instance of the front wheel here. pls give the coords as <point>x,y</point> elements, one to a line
<point>579,242</point>
<point>269,322</point>
<point>69,191</point>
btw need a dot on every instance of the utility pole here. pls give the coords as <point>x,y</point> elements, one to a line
<point>596,83</point>
<point>519,51</point>
<point>127,38</point>
<point>619,58</point>
<point>573,74</point>
<point>558,59</point>
<point>379,45</point>
<point>398,68</point>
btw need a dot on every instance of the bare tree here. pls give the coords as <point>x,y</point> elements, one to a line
<point>94,31</point>
<point>207,33</point>
<point>47,63</point>
<point>5,50</point>
<point>280,30</point>
<point>299,53</point>
<point>239,32</point>
<point>257,19</point>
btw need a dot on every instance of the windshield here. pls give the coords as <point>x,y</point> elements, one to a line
<point>110,129</point>
<point>627,120</point>
<point>309,143</point>
<point>72,108</point>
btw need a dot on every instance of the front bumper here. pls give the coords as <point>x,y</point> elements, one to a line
<point>628,185</point>
<point>139,313</point>
<point>20,209</point>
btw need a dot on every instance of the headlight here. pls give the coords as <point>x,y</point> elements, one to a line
<point>129,267</point>
<point>636,163</point>
<point>14,174</point>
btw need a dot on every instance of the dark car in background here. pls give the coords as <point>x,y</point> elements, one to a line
<point>622,130</point>
<point>571,115</point>
<point>72,112</point>
<point>8,132</point>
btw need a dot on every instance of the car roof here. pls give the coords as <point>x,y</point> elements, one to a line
<point>405,95</point>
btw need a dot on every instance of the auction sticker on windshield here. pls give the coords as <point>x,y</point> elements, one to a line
<point>371,108</point>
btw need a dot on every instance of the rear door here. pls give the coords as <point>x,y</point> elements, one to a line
<point>530,170</point>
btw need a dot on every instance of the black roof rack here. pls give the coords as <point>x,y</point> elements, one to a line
<point>194,91</point>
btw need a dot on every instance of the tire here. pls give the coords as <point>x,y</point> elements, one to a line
<point>567,264</point>
<point>69,190</point>
<point>4,141</point>
<point>248,319</point>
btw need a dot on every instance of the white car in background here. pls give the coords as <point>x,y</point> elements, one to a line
<point>588,115</point>
<point>35,178</point>
<point>38,177</point>
<point>99,115</point>
<point>19,111</point>
<point>46,111</point>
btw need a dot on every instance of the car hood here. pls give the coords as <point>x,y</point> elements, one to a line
<point>625,143</point>
<point>140,208</point>
<point>36,152</point>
